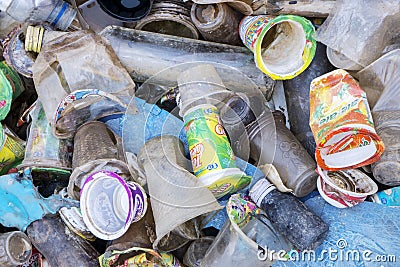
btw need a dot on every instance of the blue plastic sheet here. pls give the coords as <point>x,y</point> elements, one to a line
<point>367,234</point>
<point>21,204</point>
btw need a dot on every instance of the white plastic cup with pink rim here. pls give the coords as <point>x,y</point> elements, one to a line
<point>109,204</point>
<point>345,188</point>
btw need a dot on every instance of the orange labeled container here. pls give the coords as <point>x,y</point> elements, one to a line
<point>342,124</point>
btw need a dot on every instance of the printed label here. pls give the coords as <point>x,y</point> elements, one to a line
<point>250,28</point>
<point>337,103</point>
<point>210,150</point>
<point>11,152</point>
<point>209,147</point>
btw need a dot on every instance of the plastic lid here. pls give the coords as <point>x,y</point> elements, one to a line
<point>126,10</point>
<point>102,204</point>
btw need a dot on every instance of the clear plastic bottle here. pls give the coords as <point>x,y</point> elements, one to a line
<point>57,12</point>
<point>299,225</point>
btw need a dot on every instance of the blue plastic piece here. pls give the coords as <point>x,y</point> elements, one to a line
<point>21,204</point>
<point>364,235</point>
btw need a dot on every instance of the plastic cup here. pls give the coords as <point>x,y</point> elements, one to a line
<point>346,188</point>
<point>212,157</point>
<point>109,204</point>
<point>342,123</point>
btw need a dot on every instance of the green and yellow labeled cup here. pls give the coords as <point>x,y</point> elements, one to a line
<point>283,46</point>
<point>11,151</point>
<point>212,157</point>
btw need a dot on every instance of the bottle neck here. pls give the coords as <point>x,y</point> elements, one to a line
<point>260,190</point>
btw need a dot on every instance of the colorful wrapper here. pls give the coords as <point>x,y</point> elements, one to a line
<point>240,210</point>
<point>211,152</point>
<point>341,122</point>
<point>13,78</point>
<point>388,197</point>
<point>253,29</point>
<point>11,151</point>
<point>144,258</point>
<point>6,94</point>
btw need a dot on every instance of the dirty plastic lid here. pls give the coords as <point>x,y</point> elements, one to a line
<point>126,10</point>
<point>103,206</point>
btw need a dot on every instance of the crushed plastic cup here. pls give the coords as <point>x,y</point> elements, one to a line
<point>345,188</point>
<point>109,204</point>
<point>342,124</point>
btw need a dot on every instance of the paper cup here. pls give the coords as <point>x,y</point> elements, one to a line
<point>283,46</point>
<point>346,188</point>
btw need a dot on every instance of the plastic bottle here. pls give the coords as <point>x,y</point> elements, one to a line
<point>297,94</point>
<point>217,22</point>
<point>213,161</point>
<point>289,216</point>
<point>145,54</point>
<point>271,142</point>
<point>57,12</point>
<point>60,246</point>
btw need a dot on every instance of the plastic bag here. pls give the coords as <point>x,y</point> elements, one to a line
<point>74,61</point>
<point>361,29</point>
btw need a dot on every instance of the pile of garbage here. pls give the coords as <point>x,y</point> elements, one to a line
<point>199,133</point>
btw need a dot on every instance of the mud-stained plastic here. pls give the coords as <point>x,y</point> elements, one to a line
<point>216,21</point>
<point>371,24</point>
<point>380,81</point>
<point>60,246</point>
<point>177,196</point>
<point>74,61</point>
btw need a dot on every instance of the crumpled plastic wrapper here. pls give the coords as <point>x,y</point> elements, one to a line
<point>361,29</point>
<point>74,61</point>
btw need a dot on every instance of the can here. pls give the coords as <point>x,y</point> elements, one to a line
<point>211,154</point>
<point>11,151</point>
<point>342,124</point>
<point>109,204</point>
<point>283,46</point>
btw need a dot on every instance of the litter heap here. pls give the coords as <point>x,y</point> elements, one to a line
<point>199,133</point>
